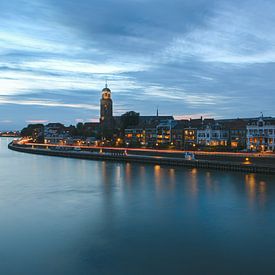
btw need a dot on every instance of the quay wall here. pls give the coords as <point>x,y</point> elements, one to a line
<point>150,159</point>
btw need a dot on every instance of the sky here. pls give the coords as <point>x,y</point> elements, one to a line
<point>188,58</point>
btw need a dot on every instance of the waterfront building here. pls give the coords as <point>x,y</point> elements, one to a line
<point>145,132</point>
<point>212,135</point>
<point>261,134</point>
<point>135,136</point>
<point>237,132</point>
<point>178,133</point>
<point>55,133</point>
<point>189,138</point>
<point>164,132</point>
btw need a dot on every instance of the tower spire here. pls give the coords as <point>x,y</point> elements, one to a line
<point>157,111</point>
<point>106,83</point>
<point>262,114</point>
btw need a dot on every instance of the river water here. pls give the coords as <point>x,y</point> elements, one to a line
<point>68,216</point>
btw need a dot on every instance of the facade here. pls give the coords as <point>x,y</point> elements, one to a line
<point>145,132</point>
<point>55,133</point>
<point>189,138</point>
<point>164,132</point>
<point>212,135</point>
<point>261,135</point>
<point>237,132</point>
<point>106,113</point>
<point>178,133</point>
<point>135,136</point>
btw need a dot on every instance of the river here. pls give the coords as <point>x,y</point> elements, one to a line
<point>69,216</point>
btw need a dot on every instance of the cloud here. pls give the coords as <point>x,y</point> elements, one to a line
<point>4,100</point>
<point>6,121</point>
<point>34,121</point>
<point>196,116</point>
<point>188,57</point>
<point>233,35</point>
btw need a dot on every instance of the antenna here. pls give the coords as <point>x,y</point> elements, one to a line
<point>106,83</point>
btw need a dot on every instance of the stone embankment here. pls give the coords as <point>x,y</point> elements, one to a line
<point>231,162</point>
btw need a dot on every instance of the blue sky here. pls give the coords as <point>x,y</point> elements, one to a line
<point>190,58</point>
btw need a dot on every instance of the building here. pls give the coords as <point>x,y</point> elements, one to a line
<point>164,132</point>
<point>145,132</point>
<point>106,113</point>
<point>55,133</point>
<point>237,132</point>
<point>189,138</point>
<point>178,133</point>
<point>261,134</point>
<point>134,136</point>
<point>212,135</point>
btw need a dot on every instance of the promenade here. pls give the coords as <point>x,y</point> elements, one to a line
<point>243,162</point>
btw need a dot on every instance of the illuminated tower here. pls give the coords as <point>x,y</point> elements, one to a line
<point>106,112</point>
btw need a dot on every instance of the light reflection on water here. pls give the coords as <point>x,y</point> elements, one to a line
<point>256,190</point>
<point>66,216</point>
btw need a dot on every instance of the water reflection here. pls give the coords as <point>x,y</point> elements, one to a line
<point>157,177</point>
<point>256,190</point>
<point>172,178</point>
<point>120,217</point>
<point>194,182</point>
<point>128,173</point>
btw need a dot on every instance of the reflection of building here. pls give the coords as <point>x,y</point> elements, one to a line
<point>261,134</point>
<point>106,113</point>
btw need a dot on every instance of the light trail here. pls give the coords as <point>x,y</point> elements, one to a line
<point>271,155</point>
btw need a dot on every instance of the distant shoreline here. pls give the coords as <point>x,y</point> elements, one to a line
<point>151,159</point>
<point>9,136</point>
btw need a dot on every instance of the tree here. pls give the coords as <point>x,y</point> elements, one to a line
<point>80,129</point>
<point>36,131</point>
<point>129,119</point>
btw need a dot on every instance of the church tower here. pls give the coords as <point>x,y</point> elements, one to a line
<point>106,112</point>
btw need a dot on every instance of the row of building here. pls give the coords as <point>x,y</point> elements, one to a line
<point>256,134</point>
<point>133,130</point>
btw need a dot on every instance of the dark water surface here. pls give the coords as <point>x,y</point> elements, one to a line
<point>67,216</point>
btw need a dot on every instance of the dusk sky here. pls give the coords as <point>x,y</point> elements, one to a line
<point>190,58</point>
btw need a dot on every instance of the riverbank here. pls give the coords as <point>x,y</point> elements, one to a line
<point>218,162</point>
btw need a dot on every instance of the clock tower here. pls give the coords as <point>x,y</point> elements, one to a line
<point>106,112</point>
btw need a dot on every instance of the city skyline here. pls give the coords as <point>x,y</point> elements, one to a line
<point>191,59</point>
